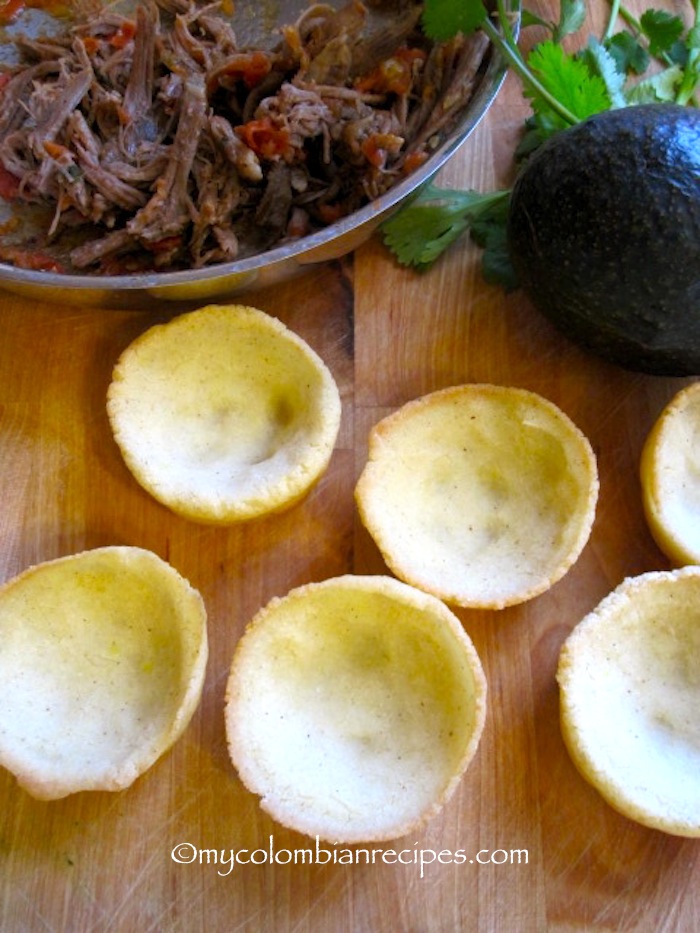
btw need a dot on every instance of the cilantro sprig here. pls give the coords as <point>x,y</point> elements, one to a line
<point>655,58</point>
<point>443,215</point>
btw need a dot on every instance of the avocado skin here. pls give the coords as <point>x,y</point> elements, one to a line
<point>604,235</point>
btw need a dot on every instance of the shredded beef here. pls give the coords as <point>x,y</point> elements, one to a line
<point>161,143</point>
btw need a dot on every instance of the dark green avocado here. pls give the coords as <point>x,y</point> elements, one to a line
<point>604,235</point>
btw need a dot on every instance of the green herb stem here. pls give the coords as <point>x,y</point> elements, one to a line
<point>508,48</point>
<point>612,19</point>
<point>630,19</point>
<point>691,72</point>
<point>504,21</point>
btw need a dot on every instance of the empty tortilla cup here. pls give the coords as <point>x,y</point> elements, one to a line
<point>102,662</point>
<point>482,495</point>
<point>224,414</point>
<point>353,708</point>
<point>670,477</point>
<point>630,693</point>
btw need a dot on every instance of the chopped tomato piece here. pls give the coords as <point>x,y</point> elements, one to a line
<point>166,245</point>
<point>377,147</point>
<point>266,139</point>
<point>248,67</point>
<point>10,9</point>
<point>298,223</point>
<point>394,75</point>
<point>123,35</point>
<point>9,185</point>
<point>122,115</point>
<point>372,152</point>
<point>25,258</point>
<point>414,160</point>
<point>55,150</point>
<point>329,213</point>
<point>257,68</point>
<point>91,43</point>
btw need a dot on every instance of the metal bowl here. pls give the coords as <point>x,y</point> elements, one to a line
<point>218,282</point>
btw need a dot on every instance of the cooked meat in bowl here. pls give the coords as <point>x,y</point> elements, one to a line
<point>156,140</point>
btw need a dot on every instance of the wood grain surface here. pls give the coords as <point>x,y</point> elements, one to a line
<point>104,862</point>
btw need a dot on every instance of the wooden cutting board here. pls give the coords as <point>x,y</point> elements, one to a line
<point>118,862</point>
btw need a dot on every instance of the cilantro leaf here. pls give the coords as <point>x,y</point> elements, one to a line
<point>628,52</point>
<point>691,71</point>
<point>662,29</point>
<point>529,18</point>
<point>489,231</point>
<point>423,230</point>
<point>659,88</point>
<point>538,128</point>
<point>568,79</point>
<point>601,62</point>
<point>572,15</point>
<point>443,19</point>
